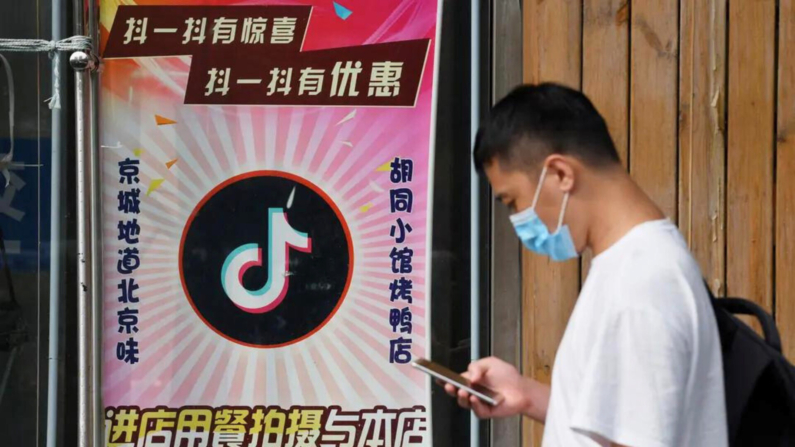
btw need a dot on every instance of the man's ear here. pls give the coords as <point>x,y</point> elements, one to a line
<point>562,170</point>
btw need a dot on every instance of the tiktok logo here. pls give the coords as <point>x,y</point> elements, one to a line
<point>281,238</point>
<point>255,277</point>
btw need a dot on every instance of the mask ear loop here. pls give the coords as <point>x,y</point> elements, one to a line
<point>538,188</point>
<point>7,158</point>
<point>562,211</point>
<point>538,193</point>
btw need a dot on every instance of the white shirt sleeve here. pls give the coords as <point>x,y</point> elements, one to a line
<point>634,381</point>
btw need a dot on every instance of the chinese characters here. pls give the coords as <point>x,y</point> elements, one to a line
<point>221,30</point>
<point>128,261</point>
<point>239,426</point>
<point>344,80</point>
<point>401,202</point>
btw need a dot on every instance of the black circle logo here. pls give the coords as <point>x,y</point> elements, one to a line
<point>266,259</point>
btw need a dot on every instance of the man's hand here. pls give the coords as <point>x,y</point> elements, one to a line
<point>520,395</point>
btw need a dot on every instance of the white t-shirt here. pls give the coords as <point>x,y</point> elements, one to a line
<point>640,362</point>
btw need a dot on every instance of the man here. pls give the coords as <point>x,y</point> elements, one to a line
<point>640,363</point>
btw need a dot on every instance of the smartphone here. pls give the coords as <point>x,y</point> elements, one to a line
<point>440,372</point>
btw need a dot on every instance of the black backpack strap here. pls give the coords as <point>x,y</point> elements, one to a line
<point>739,306</point>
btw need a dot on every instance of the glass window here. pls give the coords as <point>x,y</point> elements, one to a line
<point>25,233</point>
<point>451,228</point>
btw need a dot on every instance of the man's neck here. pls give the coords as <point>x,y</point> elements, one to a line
<point>622,205</point>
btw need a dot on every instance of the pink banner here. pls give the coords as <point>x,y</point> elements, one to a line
<point>266,208</point>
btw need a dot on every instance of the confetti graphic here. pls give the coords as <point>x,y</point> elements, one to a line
<point>154,185</point>
<point>171,163</point>
<point>374,186</point>
<point>341,11</point>
<point>347,118</point>
<point>163,121</point>
<point>386,167</point>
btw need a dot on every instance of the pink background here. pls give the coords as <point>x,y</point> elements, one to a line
<point>183,362</point>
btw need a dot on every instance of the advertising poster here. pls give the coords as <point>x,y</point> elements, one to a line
<point>266,182</point>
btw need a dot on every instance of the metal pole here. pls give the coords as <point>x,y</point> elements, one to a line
<point>89,317</point>
<point>474,203</point>
<point>96,240</point>
<point>58,153</point>
<point>82,64</point>
<point>84,320</point>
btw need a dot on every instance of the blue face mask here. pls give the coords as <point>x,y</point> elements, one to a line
<point>534,234</point>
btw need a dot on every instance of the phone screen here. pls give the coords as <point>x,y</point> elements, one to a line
<point>444,374</point>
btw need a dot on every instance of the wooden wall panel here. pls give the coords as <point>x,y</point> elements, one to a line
<point>605,71</point>
<point>751,65</point>
<point>653,99</point>
<point>605,65</point>
<point>702,147</point>
<point>785,178</point>
<point>702,109</point>
<point>506,283</point>
<point>552,38</point>
<point>552,52</point>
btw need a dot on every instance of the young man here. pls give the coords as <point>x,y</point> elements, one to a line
<point>640,363</point>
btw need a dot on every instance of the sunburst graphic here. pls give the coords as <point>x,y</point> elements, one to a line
<point>182,361</point>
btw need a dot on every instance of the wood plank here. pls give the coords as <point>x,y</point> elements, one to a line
<point>749,221</point>
<point>605,65</point>
<point>506,279</point>
<point>785,187</point>
<point>702,146</point>
<point>552,41</point>
<point>552,52</point>
<point>653,100</point>
<point>605,72</point>
<point>550,290</point>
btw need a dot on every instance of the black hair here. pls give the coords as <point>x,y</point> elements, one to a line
<point>556,119</point>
